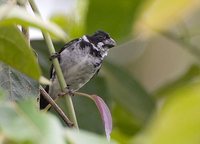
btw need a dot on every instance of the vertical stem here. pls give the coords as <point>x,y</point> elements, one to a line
<point>25,30</point>
<point>58,70</point>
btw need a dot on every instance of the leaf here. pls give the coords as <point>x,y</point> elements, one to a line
<point>23,123</point>
<point>103,109</point>
<point>18,15</point>
<point>160,14</point>
<point>178,121</point>
<point>86,111</point>
<point>15,51</point>
<point>74,22</point>
<point>69,24</point>
<point>189,76</point>
<point>105,114</point>
<point>17,85</point>
<point>114,16</point>
<point>43,54</point>
<point>84,137</point>
<point>124,121</point>
<point>129,93</point>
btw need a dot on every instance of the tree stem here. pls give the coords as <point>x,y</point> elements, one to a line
<point>58,70</point>
<point>56,107</point>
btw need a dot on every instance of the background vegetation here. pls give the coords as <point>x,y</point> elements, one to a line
<point>150,80</point>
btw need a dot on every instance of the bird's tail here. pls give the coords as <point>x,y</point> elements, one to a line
<point>43,102</point>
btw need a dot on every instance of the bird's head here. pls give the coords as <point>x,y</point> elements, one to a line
<point>101,40</point>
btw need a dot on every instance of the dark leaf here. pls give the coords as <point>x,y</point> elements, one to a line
<point>17,85</point>
<point>129,93</point>
<point>113,16</point>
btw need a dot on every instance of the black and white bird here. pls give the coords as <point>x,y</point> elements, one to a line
<point>80,60</point>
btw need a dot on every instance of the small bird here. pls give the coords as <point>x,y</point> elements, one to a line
<point>80,60</point>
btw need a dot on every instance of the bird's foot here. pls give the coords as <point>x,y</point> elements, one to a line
<point>67,91</point>
<point>55,55</point>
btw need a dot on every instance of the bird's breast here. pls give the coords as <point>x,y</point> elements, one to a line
<point>79,69</point>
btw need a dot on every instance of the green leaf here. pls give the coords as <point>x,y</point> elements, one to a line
<point>178,121</point>
<point>124,121</point>
<point>114,16</point>
<point>15,51</point>
<point>129,93</point>
<point>17,85</point>
<point>86,111</point>
<point>10,14</point>
<point>43,54</point>
<point>160,15</point>
<point>74,22</point>
<point>85,138</point>
<point>69,24</point>
<point>189,76</point>
<point>23,123</point>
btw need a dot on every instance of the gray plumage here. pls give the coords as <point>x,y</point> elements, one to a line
<point>79,59</point>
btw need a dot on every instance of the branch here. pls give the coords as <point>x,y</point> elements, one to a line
<point>25,30</point>
<point>56,107</point>
<point>58,70</point>
<point>82,94</point>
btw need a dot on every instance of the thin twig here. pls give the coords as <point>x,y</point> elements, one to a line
<point>25,30</point>
<point>58,70</point>
<point>56,107</point>
<point>82,94</point>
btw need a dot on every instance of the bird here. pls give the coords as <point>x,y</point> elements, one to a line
<point>80,60</point>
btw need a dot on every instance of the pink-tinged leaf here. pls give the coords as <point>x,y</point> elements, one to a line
<point>105,114</point>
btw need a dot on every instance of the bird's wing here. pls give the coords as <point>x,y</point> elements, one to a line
<point>52,71</point>
<point>68,44</point>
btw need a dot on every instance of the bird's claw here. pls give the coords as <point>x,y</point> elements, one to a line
<point>55,55</point>
<point>67,91</point>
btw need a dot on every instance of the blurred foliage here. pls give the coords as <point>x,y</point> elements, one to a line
<point>129,93</point>
<point>168,114</point>
<point>14,54</point>
<point>178,121</point>
<point>189,76</point>
<point>11,14</point>
<point>108,14</point>
<point>17,85</point>
<point>160,14</point>
<point>21,123</point>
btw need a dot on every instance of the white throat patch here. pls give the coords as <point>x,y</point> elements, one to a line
<point>100,44</point>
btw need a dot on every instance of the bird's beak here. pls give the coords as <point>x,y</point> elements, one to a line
<point>110,43</point>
